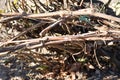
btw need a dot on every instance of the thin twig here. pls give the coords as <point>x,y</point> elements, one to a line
<point>42,33</point>
<point>110,24</point>
<point>81,2</point>
<point>95,47</point>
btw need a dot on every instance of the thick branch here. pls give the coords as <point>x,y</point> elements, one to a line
<point>87,11</point>
<point>55,40</point>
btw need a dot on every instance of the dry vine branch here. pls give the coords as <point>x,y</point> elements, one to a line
<point>16,17</point>
<point>69,37</point>
<point>51,40</point>
<point>87,11</point>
